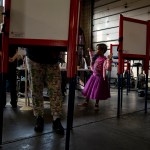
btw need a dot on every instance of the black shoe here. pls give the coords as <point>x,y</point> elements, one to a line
<point>57,127</point>
<point>39,126</point>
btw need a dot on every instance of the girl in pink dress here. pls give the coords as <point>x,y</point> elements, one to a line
<point>97,87</point>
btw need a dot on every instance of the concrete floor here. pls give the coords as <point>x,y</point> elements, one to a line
<point>91,130</point>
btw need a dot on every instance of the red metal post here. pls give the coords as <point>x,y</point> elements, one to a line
<point>120,61</point>
<point>73,38</point>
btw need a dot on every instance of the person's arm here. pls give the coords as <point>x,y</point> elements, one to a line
<point>91,58</point>
<point>90,53</point>
<point>12,59</point>
<point>110,56</point>
<point>107,65</point>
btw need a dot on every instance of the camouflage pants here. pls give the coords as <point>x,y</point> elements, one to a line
<point>50,75</point>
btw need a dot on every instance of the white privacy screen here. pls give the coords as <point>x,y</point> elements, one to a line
<point>39,19</point>
<point>134,38</point>
<point>115,50</point>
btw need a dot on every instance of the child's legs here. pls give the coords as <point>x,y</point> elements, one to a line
<point>97,102</point>
<point>96,108</point>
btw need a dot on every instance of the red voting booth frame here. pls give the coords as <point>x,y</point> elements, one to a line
<point>122,56</point>
<point>70,43</point>
<point>125,56</point>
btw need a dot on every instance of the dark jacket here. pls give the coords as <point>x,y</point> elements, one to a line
<point>44,55</point>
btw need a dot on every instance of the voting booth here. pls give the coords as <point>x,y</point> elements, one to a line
<point>134,43</point>
<point>133,40</point>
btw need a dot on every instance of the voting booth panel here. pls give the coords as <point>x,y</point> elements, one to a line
<point>114,51</point>
<point>48,21</point>
<point>134,38</point>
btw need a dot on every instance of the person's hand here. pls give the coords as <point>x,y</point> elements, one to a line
<point>89,49</point>
<point>110,56</point>
<point>11,59</point>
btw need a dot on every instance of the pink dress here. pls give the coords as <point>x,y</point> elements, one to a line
<point>97,86</point>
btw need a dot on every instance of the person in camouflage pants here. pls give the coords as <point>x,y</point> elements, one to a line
<point>44,69</point>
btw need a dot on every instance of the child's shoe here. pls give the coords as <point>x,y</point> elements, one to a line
<point>83,104</point>
<point>96,108</point>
